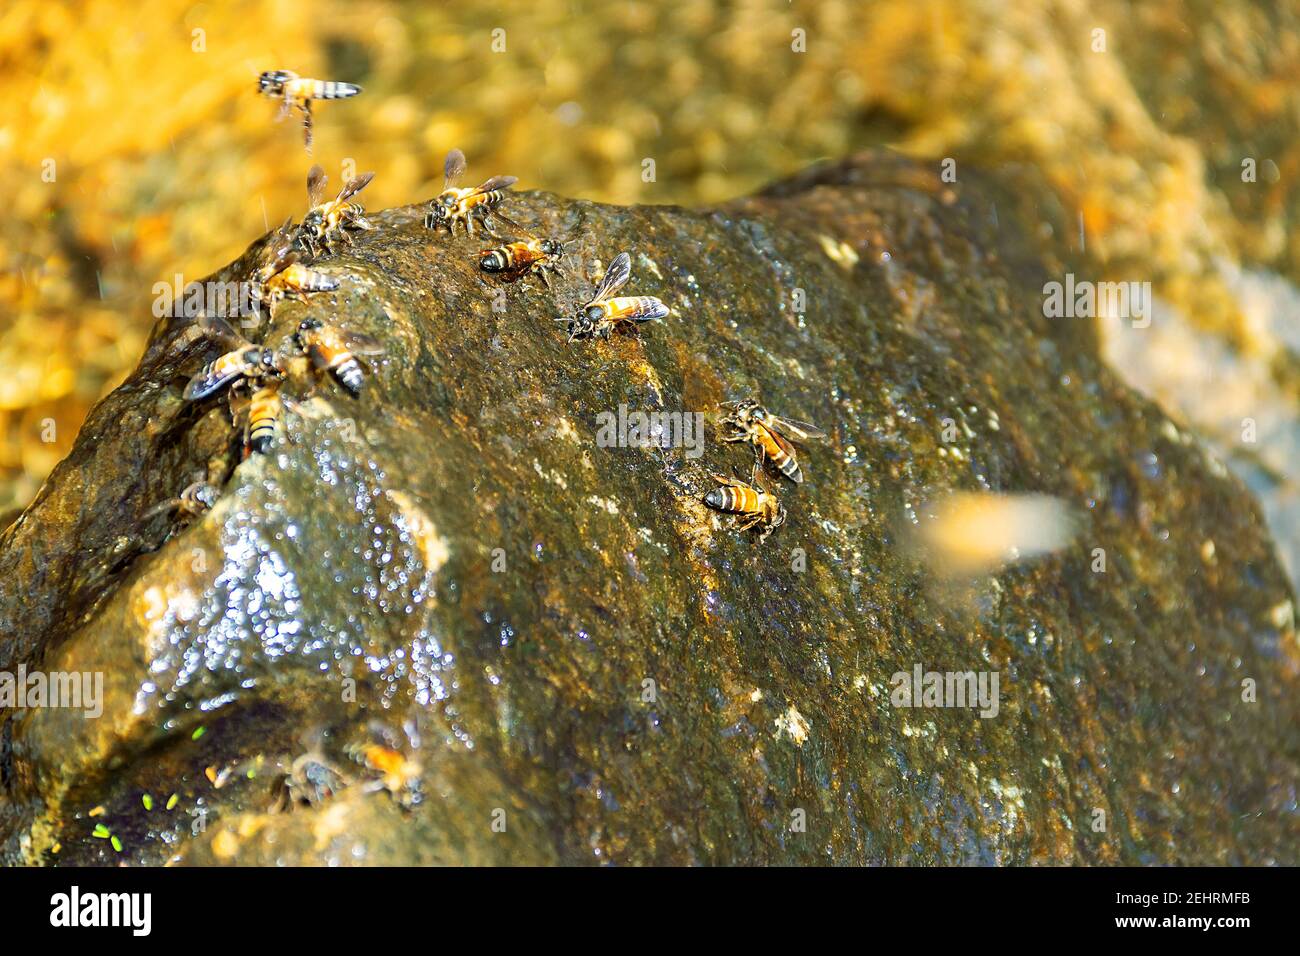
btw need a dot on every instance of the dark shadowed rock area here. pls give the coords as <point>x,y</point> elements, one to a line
<point>452,566</point>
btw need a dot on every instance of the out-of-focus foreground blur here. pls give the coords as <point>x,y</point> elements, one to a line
<point>134,147</point>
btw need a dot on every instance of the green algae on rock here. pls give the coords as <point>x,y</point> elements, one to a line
<point>582,660</point>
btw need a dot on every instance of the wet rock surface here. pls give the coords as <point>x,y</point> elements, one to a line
<point>577,659</point>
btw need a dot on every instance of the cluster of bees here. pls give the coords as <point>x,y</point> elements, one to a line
<point>251,375</point>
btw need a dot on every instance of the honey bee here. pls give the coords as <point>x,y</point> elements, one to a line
<point>244,361</point>
<point>287,276</point>
<point>770,434</point>
<point>600,315</point>
<point>456,204</point>
<point>334,350</point>
<point>397,774</point>
<point>326,220</point>
<point>756,506</point>
<point>196,499</point>
<point>295,91</point>
<point>529,256</point>
<point>261,411</point>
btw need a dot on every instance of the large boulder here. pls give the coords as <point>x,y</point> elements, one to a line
<point>578,659</point>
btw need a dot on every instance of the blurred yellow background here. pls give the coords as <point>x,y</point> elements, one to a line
<point>134,146</point>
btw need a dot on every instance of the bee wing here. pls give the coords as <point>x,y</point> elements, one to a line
<point>316,182</point>
<point>799,431</point>
<point>282,251</point>
<point>219,330</point>
<point>453,168</point>
<point>496,182</point>
<point>361,344</point>
<point>520,231</point>
<point>209,381</point>
<point>615,277</point>
<point>655,311</point>
<point>284,232</point>
<point>354,186</point>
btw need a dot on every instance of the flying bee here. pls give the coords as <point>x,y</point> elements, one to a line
<point>532,255</point>
<point>197,499</point>
<point>334,350</point>
<point>455,204</point>
<point>770,434</point>
<point>326,220</point>
<point>600,315</point>
<point>754,504</point>
<point>295,91</point>
<point>244,361</point>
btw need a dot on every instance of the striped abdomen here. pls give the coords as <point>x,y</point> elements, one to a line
<point>348,370</point>
<point>734,499</point>
<point>487,199</point>
<point>633,308</point>
<point>264,410</point>
<point>341,362</point>
<point>508,258</point>
<point>298,278</point>
<point>778,456</point>
<point>323,89</point>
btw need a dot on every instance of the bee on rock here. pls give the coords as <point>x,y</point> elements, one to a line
<point>327,220</point>
<point>335,350</point>
<point>531,255</point>
<point>244,362</point>
<point>294,91</point>
<point>770,434</point>
<point>287,276</point>
<point>602,313</point>
<point>754,504</point>
<point>456,204</point>
<point>262,411</point>
<point>391,770</point>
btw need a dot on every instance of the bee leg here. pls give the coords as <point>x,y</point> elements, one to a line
<point>469,225</point>
<point>286,105</point>
<point>541,272</point>
<point>305,106</point>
